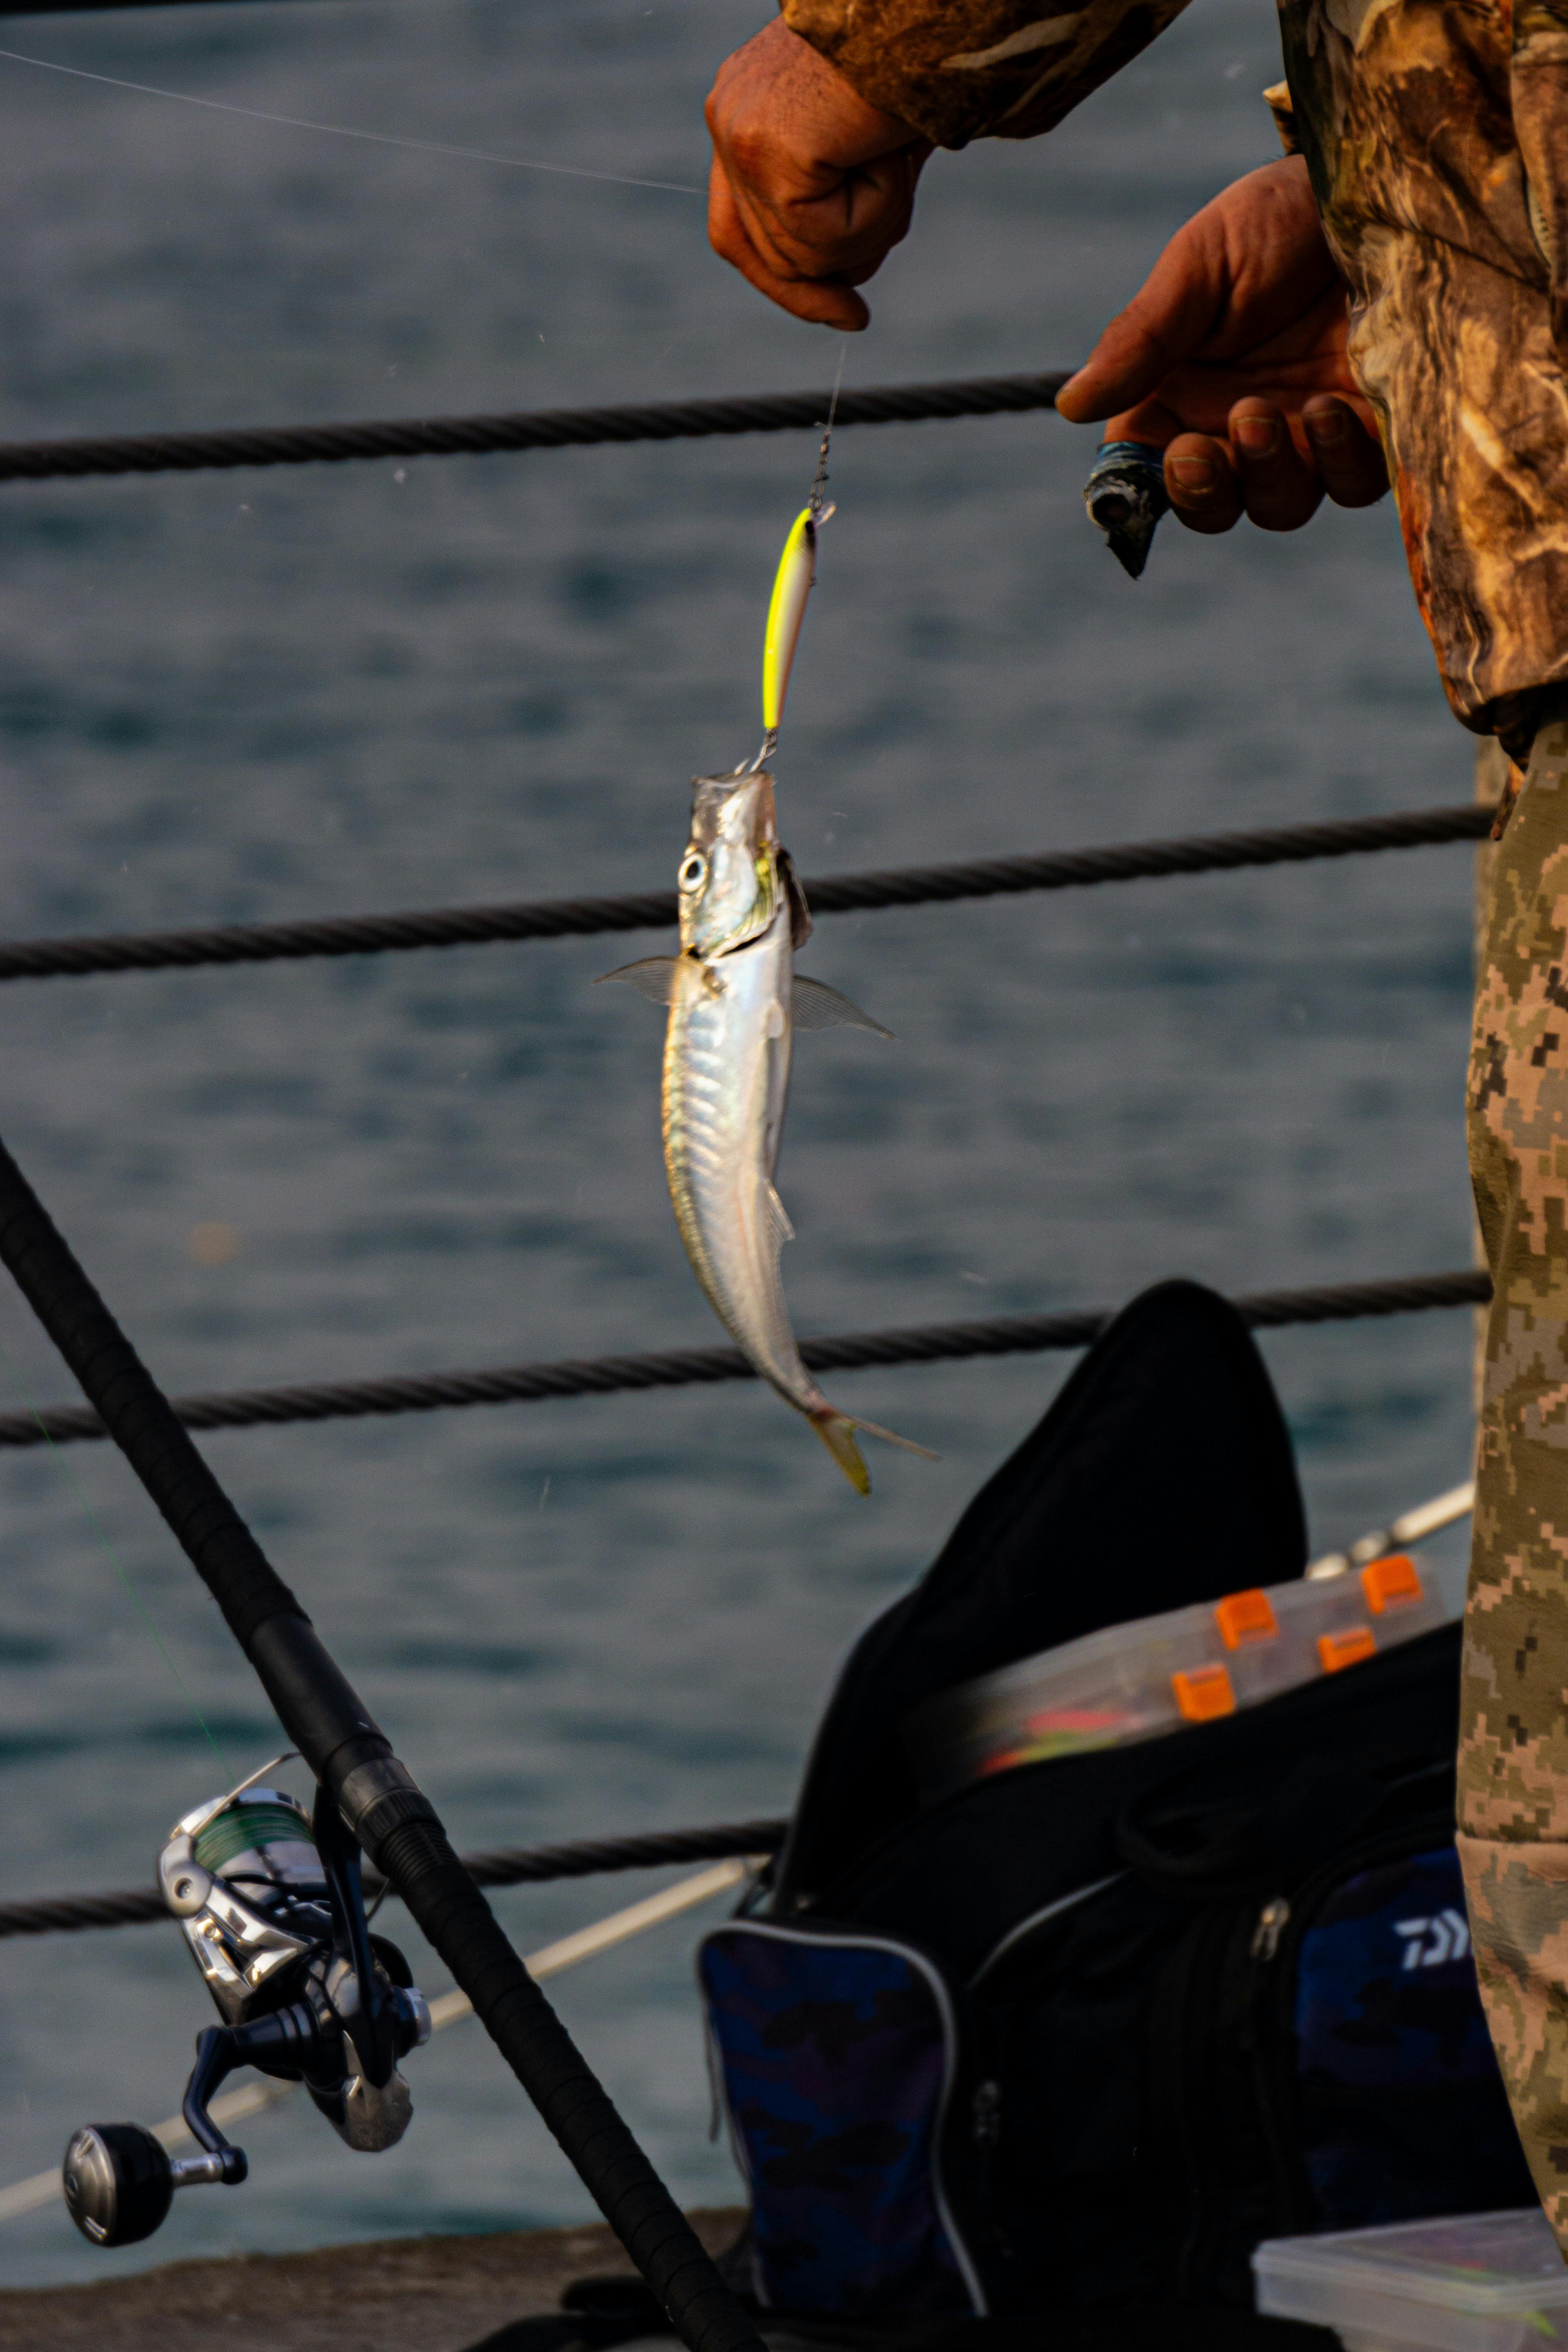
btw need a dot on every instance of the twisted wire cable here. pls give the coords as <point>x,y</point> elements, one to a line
<point>507,1865</point>
<point>77,7</point>
<point>536,428</point>
<point>1003,1335</point>
<point>828,894</point>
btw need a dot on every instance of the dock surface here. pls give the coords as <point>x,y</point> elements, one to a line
<point>388,2294</point>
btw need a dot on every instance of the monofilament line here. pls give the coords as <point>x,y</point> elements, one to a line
<point>819,480</point>
<point>343,131</point>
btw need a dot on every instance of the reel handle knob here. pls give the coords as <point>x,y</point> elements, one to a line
<point>120,2180</point>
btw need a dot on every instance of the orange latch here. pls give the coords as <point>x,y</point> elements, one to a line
<point>1246,1617</point>
<point>1203,1693</point>
<point>1395,1580</point>
<point>1337,1650</point>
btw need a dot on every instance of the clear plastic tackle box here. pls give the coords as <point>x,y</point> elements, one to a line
<point>1477,2283</point>
<point>1151,1676</point>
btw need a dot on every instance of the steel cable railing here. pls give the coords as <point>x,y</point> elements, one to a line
<point>1003,1335</point>
<point>828,894</point>
<point>529,428</point>
<point>80,7</point>
<point>510,1866</point>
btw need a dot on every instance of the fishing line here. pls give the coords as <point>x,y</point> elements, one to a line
<point>819,480</point>
<point>34,1411</point>
<point>342,129</point>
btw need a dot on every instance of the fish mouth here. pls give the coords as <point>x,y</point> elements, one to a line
<point>730,888</point>
<point>738,809</point>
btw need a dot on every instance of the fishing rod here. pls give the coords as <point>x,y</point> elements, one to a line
<point>367,1801</point>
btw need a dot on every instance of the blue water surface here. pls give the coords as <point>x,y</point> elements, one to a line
<point>254,695</point>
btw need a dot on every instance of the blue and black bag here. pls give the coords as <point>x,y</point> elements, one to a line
<point>1077,2037</point>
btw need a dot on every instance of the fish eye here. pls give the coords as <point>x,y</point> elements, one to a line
<point>693,872</point>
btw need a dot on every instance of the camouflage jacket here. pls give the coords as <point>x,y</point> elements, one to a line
<point>1427,126</point>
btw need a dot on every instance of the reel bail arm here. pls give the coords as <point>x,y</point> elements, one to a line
<point>370,2026</point>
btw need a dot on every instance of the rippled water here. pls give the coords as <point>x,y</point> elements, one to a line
<point>257,696</point>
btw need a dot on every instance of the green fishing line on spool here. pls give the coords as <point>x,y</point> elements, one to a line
<point>250,1828</point>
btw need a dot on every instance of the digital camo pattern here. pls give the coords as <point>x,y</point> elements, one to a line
<point>1513,1754</point>
<point>1401,2111</point>
<point>836,2060</point>
<point>1433,130</point>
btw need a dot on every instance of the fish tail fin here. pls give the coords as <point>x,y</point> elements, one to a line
<point>836,1430</point>
<point>891,1437</point>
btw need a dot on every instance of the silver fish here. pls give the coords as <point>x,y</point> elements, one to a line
<point>735,1001</point>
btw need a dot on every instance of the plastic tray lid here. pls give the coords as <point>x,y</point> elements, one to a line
<point>1493,2265</point>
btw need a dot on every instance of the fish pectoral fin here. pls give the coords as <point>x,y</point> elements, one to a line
<point>780,1230</point>
<point>815,1005</point>
<point>652,976</point>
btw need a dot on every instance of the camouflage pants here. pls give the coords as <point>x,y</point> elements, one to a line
<point>1513,1751</point>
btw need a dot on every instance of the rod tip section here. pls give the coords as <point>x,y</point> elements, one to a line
<point>1125,495</point>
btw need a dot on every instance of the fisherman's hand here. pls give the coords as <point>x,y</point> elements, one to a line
<point>811,188</point>
<point>1232,359</point>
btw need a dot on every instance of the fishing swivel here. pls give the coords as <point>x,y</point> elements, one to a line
<point>270,1901</point>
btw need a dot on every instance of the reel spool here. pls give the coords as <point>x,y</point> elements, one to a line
<point>272,1910</point>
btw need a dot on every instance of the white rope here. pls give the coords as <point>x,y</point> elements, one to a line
<point>234,2106</point>
<point>1409,1527</point>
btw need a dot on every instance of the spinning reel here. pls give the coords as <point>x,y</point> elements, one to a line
<point>273,1912</point>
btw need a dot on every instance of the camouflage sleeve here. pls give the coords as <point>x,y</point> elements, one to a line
<point>963,69</point>
<point>1277,98</point>
<point>1434,136</point>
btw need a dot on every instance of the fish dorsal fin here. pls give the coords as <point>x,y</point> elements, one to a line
<point>799,912</point>
<point>653,977</point>
<point>815,1005</point>
<point>780,1230</point>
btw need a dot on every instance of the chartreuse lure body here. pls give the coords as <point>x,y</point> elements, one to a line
<point>793,584</point>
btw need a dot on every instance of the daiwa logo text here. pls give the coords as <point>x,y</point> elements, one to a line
<point>1430,1942</point>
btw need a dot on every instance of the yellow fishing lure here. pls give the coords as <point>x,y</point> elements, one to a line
<point>793,584</point>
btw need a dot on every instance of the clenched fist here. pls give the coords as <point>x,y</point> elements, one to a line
<point>811,188</point>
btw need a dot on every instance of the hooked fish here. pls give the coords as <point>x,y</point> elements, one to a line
<point>735,1001</point>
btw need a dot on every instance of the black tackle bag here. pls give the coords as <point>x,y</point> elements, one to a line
<point>1083,2033</point>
